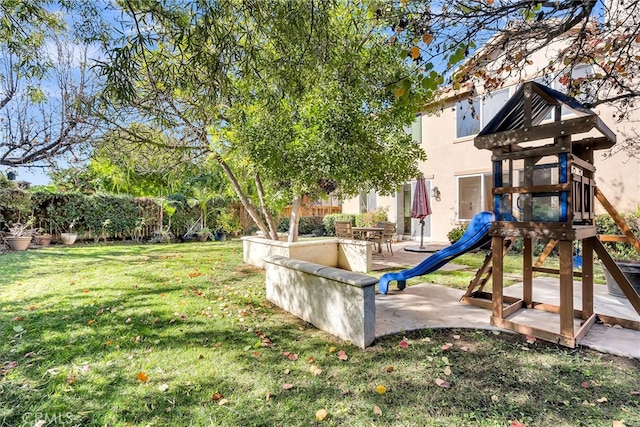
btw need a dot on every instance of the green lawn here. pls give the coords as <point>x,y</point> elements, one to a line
<point>181,335</point>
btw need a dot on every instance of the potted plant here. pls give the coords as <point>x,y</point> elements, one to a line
<point>69,237</point>
<point>42,238</point>
<point>226,222</point>
<point>19,236</point>
<point>204,234</point>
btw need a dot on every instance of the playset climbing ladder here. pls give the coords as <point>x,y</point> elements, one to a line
<point>544,188</point>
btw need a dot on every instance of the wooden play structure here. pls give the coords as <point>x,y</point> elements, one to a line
<point>544,188</point>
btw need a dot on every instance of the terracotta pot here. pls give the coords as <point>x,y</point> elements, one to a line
<point>43,240</point>
<point>68,238</point>
<point>18,243</point>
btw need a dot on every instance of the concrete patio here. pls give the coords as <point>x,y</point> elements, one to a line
<point>430,305</point>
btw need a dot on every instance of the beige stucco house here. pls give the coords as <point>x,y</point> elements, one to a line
<point>458,174</point>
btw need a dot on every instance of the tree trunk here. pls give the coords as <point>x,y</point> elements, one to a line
<point>265,211</point>
<point>294,220</point>
<point>251,210</point>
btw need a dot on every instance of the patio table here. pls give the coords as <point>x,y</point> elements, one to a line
<point>367,233</point>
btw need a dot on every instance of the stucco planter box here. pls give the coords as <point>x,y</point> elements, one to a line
<point>352,255</point>
<point>337,301</point>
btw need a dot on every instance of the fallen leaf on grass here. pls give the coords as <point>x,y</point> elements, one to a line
<point>222,402</point>
<point>602,400</point>
<point>389,368</point>
<point>617,423</point>
<point>216,396</point>
<point>517,424</point>
<point>584,384</point>
<point>442,383</point>
<point>289,355</point>
<point>531,339</point>
<point>464,348</point>
<point>287,386</point>
<point>403,344</point>
<point>85,291</point>
<point>342,355</point>
<point>267,397</point>
<point>494,398</point>
<point>447,371</point>
<point>321,414</point>
<point>310,359</point>
<point>30,354</point>
<point>142,377</point>
<point>315,370</point>
<point>31,307</point>
<point>91,322</point>
<point>456,337</point>
<point>332,349</point>
<point>446,346</point>
<point>376,410</point>
<point>381,389</point>
<point>163,387</point>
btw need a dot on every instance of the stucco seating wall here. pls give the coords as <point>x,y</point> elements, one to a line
<point>337,301</point>
<point>352,255</point>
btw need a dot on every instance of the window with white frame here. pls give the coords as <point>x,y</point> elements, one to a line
<point>467,117</point>
<point>368,201</point>
<point>473,114</point>
<point>474,195</point>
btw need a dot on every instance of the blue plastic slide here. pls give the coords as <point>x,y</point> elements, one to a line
<point>475,236</point>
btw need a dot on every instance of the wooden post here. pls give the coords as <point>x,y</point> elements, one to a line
<point>497,298</point>
<point>527,287</point>
<point>587,277</point>
<point>566,288</point>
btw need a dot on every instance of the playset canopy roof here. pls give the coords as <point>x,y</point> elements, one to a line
<point>522,119</point>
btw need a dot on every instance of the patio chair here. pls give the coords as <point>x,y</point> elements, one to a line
<point>386,236</point>
<point>344,230</point>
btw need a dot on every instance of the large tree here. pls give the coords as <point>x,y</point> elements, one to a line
<point>296,96</point>
<point>492,41</point>
<point>44,86</point>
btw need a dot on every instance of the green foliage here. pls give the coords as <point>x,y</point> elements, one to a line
<point>456,233</point>
<point>228,221</point>
<point>371,219</point>
<point>619,250</point>
<point>296,105</point>
<point>307,225</point>
<point>15,205</point>
<point>329,221</point>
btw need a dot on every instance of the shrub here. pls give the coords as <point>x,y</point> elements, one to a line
<point>371,219</point>
<point>329,221</point>
<point>456,233</point>
<point>307,225</point>
<point>15,205</point>
<point>605,225</point>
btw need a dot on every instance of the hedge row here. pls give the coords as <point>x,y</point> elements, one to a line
<point>95,216</point>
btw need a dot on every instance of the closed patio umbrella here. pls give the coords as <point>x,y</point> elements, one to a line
<point>421,208</point>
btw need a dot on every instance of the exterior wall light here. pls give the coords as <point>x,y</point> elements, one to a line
<point>436,193</point>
